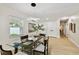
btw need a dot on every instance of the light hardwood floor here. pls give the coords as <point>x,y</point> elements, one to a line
<point>62,46</point>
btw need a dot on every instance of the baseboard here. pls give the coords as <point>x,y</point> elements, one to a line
<point>74,42</point>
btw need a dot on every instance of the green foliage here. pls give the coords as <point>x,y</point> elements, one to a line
<point>14,24</point>
<point>38,27</point>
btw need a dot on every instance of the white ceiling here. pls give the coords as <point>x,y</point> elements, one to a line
<point>52,11</point>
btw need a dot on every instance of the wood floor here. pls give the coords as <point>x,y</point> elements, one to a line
<point>62,46</point>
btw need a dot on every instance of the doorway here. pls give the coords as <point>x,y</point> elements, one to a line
<point>63,24</point>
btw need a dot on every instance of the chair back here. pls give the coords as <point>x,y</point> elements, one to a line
<point>24,38</point>
<point>5,52</point>
<point>42,35</point>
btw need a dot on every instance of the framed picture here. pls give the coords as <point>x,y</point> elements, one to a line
<point>72,27</point>
<point>30,27</point>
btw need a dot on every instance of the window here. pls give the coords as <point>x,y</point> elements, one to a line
<point>14,30</point>
<point>15,27</point>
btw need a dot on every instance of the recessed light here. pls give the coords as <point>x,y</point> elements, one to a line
<point>33,4</point>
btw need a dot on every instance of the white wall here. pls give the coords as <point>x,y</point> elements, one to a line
<point>52,28</point>
<point>74,37</point>
<point>5,12</point>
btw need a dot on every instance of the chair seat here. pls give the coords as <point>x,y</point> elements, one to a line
<point>40,48</point>
<point>27,43</point>
<point>21,53</point>
<point>6,47</point>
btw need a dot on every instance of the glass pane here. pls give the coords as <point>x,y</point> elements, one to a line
<point>14,31</point>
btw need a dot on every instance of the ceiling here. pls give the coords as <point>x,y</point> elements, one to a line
<point>52,11</point>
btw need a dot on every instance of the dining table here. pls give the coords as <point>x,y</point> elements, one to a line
<point>15,46</point>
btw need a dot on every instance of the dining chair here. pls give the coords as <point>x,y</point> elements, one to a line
<point>42,48</point>
<point>26,44</point>
<point>5,52</point>
<point>42,34</point>
<point>24,38</point>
